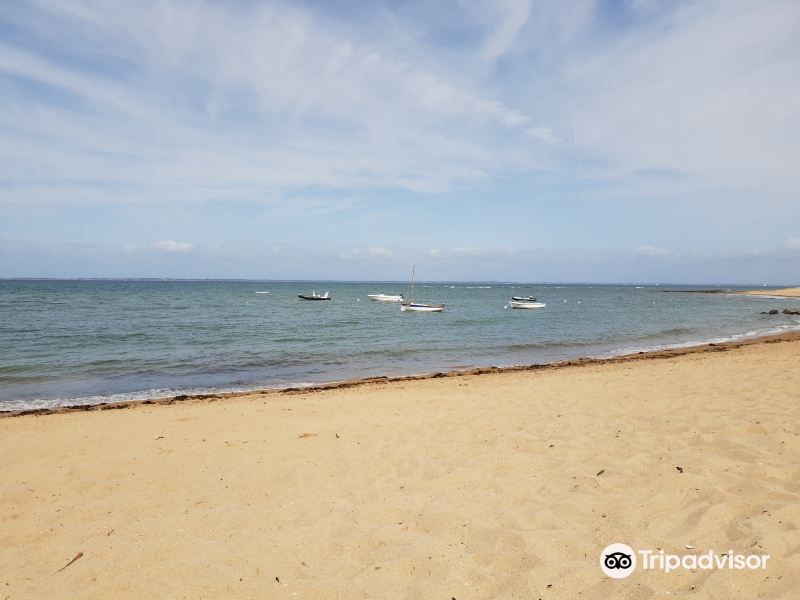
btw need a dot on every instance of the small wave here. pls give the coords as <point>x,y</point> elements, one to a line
<point>756,333</point>
<point>142,395</point>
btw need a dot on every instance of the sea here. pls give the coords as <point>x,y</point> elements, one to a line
<point>67,342</point>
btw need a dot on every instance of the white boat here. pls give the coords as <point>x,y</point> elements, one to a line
<point>421,307</point>
<point>386,297</point>
<point>526,304</point>
<point>412,306</point>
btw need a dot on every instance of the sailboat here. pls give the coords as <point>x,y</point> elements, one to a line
<point>418,306</point>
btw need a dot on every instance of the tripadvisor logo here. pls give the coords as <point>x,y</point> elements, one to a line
<point>620,560</point>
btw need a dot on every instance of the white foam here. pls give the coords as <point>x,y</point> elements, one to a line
<point>702,342</point>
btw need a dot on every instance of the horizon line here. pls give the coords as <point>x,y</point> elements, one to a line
<point>459,281</point>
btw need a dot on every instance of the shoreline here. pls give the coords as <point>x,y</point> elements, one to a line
<point>665,353</point>
<point>491,483</point>
<point>791,292</point>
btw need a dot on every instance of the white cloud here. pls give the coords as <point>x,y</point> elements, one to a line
<point>231,100</point>
<point>654,251</point>
<point>168,246</point>
<point>228,100</point>
<point>510,17</point>
<point>471,253</point>
<point>544,134</point>
<point>172,246</point>
<point>792,243</point>
<point>380,251</point>
<point>370,252</point>
<point>709,90</point>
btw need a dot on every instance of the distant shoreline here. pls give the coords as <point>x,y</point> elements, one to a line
<point>791,292</point>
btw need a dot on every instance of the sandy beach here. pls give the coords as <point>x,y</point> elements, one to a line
<point>793,292</point>
<point>492,485</point>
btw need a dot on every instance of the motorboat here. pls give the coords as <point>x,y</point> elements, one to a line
<point>526,304</point>
<point>386,297</point>
<point>315,296</point>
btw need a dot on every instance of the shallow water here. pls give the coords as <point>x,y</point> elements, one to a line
<point>75,342</point>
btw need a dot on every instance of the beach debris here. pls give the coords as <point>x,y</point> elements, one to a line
<point>109,533</point>
<point>600,472</point>
<point>278,579</point>
<point>337,436</point>
<point>306,435</point>
<point>77,556</point>
<point>688,546</point>
<point>679,469</point>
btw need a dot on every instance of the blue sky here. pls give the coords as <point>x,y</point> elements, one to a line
<point>637,141</point>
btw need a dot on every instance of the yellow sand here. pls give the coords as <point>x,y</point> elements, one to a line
<point>461,487</point>
<point>787,292</point>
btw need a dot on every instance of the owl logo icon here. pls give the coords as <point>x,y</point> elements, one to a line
<point>618,560</point>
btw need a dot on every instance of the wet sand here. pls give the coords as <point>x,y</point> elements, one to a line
<point>485,484</point>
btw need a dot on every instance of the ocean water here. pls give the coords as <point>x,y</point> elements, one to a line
<point>88,341</point>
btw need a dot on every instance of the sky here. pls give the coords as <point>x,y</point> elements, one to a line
<point>514,140</point>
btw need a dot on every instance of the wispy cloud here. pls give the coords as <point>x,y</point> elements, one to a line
<point>233,99</point>
<point>168,246</point>
<point>545,134</point>
<point>368,253</point>
<point>172,246</point>
<point>402,127</point>
<point>654,251</point>
<point>510,16</point>
<point>706,89</point>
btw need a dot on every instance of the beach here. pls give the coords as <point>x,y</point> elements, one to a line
<point>494,484</point>
<point>793,292</point>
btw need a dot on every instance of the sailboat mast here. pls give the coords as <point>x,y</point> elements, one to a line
<point>411,287</point>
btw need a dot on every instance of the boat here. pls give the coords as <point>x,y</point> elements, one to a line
<point>421,307</point>
<point>526,304</point>
<point>523,298</point>
<point>412,306</point>
<point>315,296</point>
<point>386,297</point>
